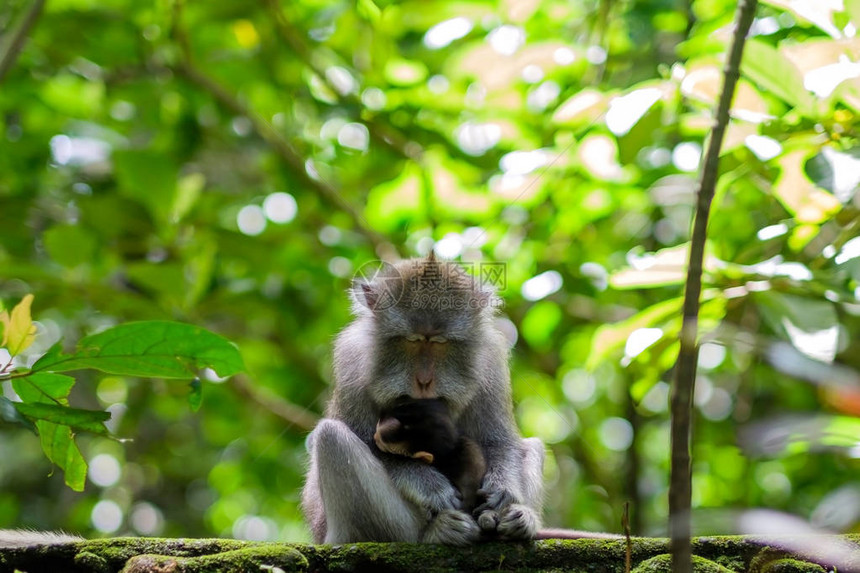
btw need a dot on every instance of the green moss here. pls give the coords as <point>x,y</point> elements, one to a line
<point>791,566</point>
<point>87,561</point>
<point>663,564</point>
<point>257,558</point>
<point>714,554</point>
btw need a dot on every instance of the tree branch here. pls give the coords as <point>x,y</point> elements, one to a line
<point>11,55</point>
<point>680,488</point>
<point>274,404</point>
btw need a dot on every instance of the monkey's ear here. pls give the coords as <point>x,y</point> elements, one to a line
<point>364,296</point>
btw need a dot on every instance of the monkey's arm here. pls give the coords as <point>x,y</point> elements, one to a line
<point>512,485</point>
<point>422,484</point>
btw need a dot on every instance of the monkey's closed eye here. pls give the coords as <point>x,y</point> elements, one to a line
<point>416,338</point>
<point>438,339</point>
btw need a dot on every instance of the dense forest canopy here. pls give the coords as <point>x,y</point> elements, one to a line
<point>232,165</point>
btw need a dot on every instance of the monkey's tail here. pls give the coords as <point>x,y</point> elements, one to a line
<point>10,538</point>
<point>574,534</point>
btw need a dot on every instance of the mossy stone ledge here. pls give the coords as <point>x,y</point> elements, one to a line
<point>724,554</point>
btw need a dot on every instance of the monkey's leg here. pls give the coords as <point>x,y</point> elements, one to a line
<point>358,498</point>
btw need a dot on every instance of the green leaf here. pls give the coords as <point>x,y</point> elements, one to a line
<point>610,337</point>
<point>159,349</point>
<point>84,420</point>
<point>58,443</point>
<point>772,71</point>
<point>43,387</point>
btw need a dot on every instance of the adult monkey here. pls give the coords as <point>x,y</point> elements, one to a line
<point>424,329</point>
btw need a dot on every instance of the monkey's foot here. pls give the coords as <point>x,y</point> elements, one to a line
<point>518,522</point>
<point>452,527</point>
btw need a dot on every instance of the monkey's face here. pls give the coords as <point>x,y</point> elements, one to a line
<point>430,320</point>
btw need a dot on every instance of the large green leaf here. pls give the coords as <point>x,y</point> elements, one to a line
<point>41,393</point>
<point>58,443</point>
<point>151,349</point>
<point>85,420</point>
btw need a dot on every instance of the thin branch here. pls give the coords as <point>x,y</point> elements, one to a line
<point>625,526</point>
<point>291,413</point>
<point>11,55</point>
<point>680,488</point>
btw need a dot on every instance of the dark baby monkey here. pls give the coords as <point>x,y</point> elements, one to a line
<point>423,429</point>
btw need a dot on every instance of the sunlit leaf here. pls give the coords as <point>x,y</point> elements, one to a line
<point>810,324</point>
<point>151,349</point>
<point>836,171</point>
<point>797,193</point>
<point>401,72</point>
<point>665,267</point>
<point>610,338</point>
<point>18,328</point>
<point>772,71</point>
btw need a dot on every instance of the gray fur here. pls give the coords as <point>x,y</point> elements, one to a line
<point>10,538</point>
<point>351,494</point>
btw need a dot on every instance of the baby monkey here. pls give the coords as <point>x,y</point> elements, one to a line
<point>422,428</point>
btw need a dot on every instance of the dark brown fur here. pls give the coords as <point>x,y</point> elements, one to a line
<point>423,429</point>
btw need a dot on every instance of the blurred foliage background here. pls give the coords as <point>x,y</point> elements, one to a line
<point>233,164</point>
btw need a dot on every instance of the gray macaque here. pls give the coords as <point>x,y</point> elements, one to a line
<point>422,329</point>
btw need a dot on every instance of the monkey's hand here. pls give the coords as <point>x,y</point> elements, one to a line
<point>502,515</point>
